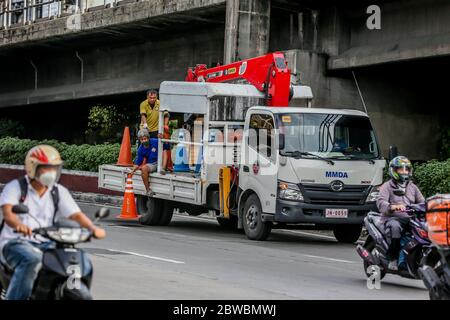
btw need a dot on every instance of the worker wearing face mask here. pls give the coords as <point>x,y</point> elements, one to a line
<point>147,157</point>
<point>46,201</point>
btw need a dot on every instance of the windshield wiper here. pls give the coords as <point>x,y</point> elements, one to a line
<point>298,154</point>
<point>350,156</point>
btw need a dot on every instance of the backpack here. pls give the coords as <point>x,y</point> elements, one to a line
<point>23,195</point>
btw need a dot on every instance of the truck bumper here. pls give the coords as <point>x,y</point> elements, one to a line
<point>299,212</point>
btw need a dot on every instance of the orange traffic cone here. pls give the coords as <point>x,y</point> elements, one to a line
<point>129,205</point>
<point>125,150</point>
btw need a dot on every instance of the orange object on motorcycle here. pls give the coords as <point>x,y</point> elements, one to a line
<point>438,219</point>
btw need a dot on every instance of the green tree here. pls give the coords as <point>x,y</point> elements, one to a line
<point>10,128</point>
<point>105,124</point>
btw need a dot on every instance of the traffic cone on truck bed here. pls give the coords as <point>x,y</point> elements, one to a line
<point>129,204</point>
<point>125,150</point>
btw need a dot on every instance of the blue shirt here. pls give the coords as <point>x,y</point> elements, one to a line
<point>150,153</point>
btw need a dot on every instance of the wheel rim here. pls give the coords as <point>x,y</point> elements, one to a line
<point>251,217</point>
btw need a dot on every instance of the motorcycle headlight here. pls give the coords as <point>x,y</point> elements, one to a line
<point>289,191</point>
<point>373,194</point>
<point>69,235</point>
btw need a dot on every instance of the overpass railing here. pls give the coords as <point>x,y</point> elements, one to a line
<point>15,13</point>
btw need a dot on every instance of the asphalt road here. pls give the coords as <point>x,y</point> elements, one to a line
<point>194,258</point>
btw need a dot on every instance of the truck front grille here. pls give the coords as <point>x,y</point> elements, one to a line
<point>322,194</point>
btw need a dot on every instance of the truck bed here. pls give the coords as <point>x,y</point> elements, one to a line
<point>183,187</point>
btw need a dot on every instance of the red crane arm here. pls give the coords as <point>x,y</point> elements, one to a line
<point>268,73</point>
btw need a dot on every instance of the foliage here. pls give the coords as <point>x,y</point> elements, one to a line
<point>105,123</point>
<point>433,177</point>
<point>10,128</point>
<point>76,157</point>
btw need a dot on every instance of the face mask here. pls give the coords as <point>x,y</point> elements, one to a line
<point>48,178</point>
<point>404,177</point>
<point>146,143</point>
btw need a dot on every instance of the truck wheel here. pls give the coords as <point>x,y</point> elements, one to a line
<point>230,223</point>
<point>166,213</point>
<point>254,227</point>
<point>149,209</point>
<point>347,233</point>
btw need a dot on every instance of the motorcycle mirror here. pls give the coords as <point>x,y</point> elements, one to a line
<point>393,152</point>
<point>20,209</point>
<point>102,213</point>
<point>281,141</point>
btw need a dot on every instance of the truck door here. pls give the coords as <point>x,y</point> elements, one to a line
<point>259,171</point>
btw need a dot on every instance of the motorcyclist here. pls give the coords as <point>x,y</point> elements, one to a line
<point>46,200</point>
<point>395,195</point>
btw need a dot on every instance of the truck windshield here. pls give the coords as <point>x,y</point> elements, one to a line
<point>332,136</point>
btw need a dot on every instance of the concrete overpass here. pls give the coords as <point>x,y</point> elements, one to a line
<point>116,50</point>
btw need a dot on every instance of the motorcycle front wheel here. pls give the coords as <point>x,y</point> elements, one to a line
<point>370,246</point>
<point>80,292</point>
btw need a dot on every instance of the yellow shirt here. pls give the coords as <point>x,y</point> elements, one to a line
<point>151,113</point>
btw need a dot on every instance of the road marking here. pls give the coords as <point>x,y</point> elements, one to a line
<point>147,256</point>
<point>314,235</point>
<point>330,259</point>
<point>307,234</point>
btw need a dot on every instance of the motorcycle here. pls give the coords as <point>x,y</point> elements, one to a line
<point>66,272</point>
<point>417,249</point>
<point>437,280</point>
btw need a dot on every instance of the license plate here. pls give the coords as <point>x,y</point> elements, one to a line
<point>336,213</point>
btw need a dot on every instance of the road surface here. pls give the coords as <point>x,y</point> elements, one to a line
<point>194,258</point>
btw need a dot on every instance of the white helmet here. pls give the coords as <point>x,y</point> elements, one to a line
<point>41,155</point>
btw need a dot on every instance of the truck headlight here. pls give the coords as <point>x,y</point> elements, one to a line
<point>373,194</point>
<point>289,191</point>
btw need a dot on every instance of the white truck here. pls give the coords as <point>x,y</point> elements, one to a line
<point>277,167</point>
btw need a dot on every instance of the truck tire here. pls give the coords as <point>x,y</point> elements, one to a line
<point>230,223</point>
<point>166,213</point>
<point>149,209</point>
<point>347,233</point>
<point>254,227</point>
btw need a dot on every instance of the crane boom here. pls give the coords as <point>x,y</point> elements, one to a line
<point>268,73</point>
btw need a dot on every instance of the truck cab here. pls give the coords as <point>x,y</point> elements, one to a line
<point>308,166</point>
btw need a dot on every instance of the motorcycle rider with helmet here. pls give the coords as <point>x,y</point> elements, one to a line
<point>46,201</point>
<point>395,195</point>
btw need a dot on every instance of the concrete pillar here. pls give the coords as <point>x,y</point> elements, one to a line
<point>247,28</point>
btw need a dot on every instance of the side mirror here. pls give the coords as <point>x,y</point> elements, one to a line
<point>102,213</point>
<point>393,152</point>
<point>281,141</point>
<point>20,209</point>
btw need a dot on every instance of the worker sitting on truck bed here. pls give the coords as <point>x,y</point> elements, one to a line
<point>147,157</point>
